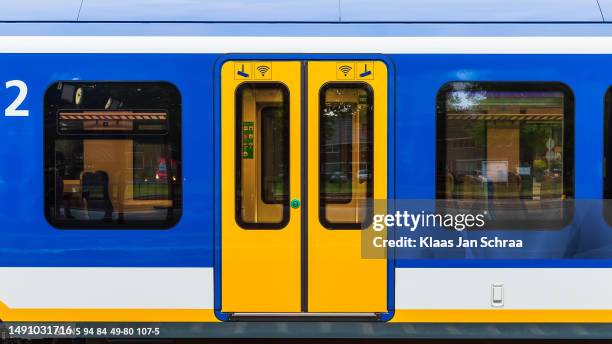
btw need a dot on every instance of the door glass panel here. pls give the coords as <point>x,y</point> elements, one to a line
<point>345,155</point>
<point>262,155</point>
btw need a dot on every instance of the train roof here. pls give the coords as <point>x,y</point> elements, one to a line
<point>315,11</point>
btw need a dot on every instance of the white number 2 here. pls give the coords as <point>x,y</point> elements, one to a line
<point>11,110</point>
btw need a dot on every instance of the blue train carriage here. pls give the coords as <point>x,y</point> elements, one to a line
<point>191,163</point>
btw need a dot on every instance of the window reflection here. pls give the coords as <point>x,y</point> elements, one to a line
<point>345,153</point>
<point>504,142</point>
<point>110,163</point>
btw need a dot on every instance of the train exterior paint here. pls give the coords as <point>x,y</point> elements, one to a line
<point>174,274</point>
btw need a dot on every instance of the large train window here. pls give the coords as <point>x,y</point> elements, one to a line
<point>506,149</point>
<point>346,155</point>
<point>262,155</point>
<point>112,155</point>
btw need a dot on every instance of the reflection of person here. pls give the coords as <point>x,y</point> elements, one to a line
<point>107,203</point>
<point>121,190</point>
<point>96,193</point>
<point>60,201</point>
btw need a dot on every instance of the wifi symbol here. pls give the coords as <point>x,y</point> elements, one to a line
<point>345,69</point>
<point>263,70</point>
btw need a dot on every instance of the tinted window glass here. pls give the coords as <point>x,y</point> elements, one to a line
<point>506,148</point>
<point>262,155</point>
<point>346,155</point>
<point>112,155</point>
<point>274,164</point>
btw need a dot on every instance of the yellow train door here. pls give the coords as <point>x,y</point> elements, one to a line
<point>298,188</point>
<point>347,172</point>
<point>260,172</point>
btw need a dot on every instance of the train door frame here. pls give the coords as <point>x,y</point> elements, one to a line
<point>304,59</point>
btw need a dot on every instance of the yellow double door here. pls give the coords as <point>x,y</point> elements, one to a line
<point>303,159</point>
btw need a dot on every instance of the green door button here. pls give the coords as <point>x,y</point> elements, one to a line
<point>295,203</point>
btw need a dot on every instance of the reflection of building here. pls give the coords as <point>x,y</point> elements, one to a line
<point>345,155</point>
<point>511,140</point>
<point>340,134</point>
<point>337,146</point>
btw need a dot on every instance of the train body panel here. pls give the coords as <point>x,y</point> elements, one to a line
<point>421,62</point>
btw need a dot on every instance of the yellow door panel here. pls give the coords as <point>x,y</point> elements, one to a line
<point>347,168</point>
<point>260,173</point>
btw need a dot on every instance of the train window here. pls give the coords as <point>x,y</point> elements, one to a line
<point>506,148</point>
<point>262,155</point>
<point>345,155</point>
<point>112,155</point>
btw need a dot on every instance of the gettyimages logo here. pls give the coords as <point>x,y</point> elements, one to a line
<point>413,221</point>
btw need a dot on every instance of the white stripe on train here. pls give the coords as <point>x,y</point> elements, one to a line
<point>260,44</point>
<point>415,288</point>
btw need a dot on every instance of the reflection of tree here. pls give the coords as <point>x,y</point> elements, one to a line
<point>533,138</point>
<point>465,97</point>
<point>477,131</point>
<point>333,115</point>
<point>533,144</point>
<point>328,123</point>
